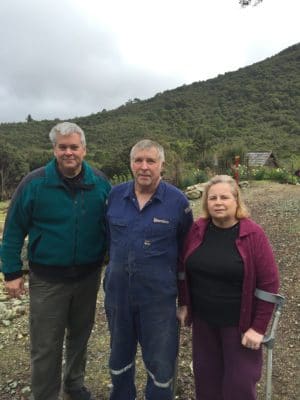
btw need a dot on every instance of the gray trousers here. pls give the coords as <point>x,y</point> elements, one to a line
<point>59,313</point>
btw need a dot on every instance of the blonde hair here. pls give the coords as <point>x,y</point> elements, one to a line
<point>241,210</point>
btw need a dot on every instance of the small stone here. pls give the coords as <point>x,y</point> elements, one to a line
<point>13,384</point>
<point>16,302</point>
<point>20,310</point>
<point>26,390</point>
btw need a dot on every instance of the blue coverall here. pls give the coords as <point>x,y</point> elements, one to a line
<point>141,286</point>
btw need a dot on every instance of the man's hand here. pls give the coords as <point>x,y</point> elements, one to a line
<point>252,339</point>
<point>15,288</point>
<point>182,313</point>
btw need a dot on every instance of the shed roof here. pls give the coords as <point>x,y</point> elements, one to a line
<point>260,158</point>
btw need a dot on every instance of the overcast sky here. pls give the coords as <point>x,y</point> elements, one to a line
<point>68,58</point>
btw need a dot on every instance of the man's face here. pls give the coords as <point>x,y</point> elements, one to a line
<point>146,168</point>
<point>69,153</point>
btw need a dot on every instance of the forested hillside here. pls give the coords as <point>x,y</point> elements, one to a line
<point>252,109</point>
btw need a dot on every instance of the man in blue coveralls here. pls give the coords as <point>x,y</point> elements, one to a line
<point>148,220</point>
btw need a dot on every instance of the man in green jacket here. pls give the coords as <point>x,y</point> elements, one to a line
<point>61,207</point>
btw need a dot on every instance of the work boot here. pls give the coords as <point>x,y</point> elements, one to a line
<point>77,394</point>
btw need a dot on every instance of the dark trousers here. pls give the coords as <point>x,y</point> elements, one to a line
<point>154,326</point>
<point>60,311</point>
<point>223,368</point>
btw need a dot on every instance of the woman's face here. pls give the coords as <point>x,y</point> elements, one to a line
<point>222,205</point>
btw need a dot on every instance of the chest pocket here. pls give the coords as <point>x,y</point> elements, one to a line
<point>118,230</point>
<point>158,237</point>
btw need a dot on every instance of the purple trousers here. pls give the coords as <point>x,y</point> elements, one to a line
<point>223,368</point>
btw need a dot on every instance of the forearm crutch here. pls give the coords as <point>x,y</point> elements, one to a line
<point>269,339</point>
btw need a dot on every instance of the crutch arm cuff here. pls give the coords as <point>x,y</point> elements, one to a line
<point>269,297</point>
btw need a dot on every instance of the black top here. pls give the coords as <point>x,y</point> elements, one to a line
<point>215,271</point>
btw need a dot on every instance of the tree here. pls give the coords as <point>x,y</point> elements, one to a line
<point>227,154</point>
<point>38,158</point>
<point>119,164</point>
<point>202,138</point>
<point>176,152</point>
<point>13,167</point>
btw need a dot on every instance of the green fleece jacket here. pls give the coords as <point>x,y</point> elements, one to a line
<point>65,228</point>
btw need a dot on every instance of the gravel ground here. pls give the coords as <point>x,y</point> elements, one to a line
<point>277,208</point>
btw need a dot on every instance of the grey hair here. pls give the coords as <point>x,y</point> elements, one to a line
<point>147,144</point>
<point>65,129</point>
<point>241,211</point>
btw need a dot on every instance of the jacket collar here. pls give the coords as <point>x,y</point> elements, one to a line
<point>53,178</point>
<point>158,194</point>
<point>201,226</point>
<point>247,226</point>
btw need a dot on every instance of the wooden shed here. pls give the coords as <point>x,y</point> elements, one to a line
<point>261,159</point>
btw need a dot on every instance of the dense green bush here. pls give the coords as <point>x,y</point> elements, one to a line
<point>280,175</point>
<point>192,177</point>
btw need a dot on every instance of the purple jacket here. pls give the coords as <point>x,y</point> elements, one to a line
<point>260,271</point>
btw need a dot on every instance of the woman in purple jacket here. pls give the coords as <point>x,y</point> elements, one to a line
<point>226,257</point>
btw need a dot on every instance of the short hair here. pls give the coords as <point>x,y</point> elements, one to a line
<point>241,211</point>
<point>65,129</point>
<point>147,144</point>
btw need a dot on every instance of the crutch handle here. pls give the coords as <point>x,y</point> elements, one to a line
<point>278,300</point>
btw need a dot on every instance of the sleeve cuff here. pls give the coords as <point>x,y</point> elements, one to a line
<point>13,275</point>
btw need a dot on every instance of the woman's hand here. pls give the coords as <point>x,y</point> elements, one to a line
<point>252,339</point>
<point>182,313</point>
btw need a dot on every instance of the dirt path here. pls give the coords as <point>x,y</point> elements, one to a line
<point>277,208</point>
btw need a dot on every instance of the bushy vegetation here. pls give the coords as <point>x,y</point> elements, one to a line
<point>280,175</point>
<point>116,179</point>
<point>200,125</point>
